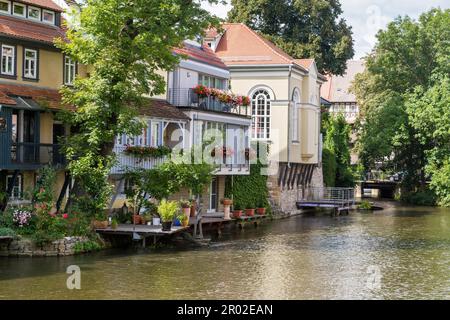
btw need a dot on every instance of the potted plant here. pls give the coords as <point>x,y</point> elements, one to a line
<point>237,212</point>
<point>193,207</point>
<point>100,220</point>
<point>186,208</point>
<point>136,219</point>
<point>261,209</point>
<point>114,224</point>
<point>167,210</point>
<point>250,209</point>
<point>184,220</point>
<point>226,207</point>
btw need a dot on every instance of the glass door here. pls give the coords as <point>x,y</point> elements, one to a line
<point>213,195</point>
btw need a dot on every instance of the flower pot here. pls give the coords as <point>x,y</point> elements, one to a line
<point>261,211</point>
<point>193,209</point>
<point>237,213</point>
<point>250,212</point>
<point>156,221</point>
<point>227,202</point>
<point>167,226</point>
<point>143,221</point>
<point>136,219</point>
<point>100,224</point>
<point>185,222</point>
<point>186,211</point>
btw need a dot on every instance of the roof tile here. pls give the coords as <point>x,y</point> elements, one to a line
<point>201,53</point>
<point>48,4</point>
<point>28,30</point>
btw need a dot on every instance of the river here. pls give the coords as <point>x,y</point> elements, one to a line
<point>397,253</point>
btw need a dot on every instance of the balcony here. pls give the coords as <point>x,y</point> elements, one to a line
<point>189,98</point>
<point>33,155</point>
<point>228,162</point>
<point>126,161</point>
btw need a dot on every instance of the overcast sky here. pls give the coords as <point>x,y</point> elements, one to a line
<point>368,16</point>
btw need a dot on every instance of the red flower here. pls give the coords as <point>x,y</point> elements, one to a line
<point>65,216</point>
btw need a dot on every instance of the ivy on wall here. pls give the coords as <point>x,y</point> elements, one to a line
<point>248,191</point>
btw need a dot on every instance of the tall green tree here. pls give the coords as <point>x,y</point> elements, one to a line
<point>125,43</point>
<point>302,28</point>
<point>403,73</point>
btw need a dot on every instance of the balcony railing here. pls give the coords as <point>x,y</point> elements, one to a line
<point>188,98</point>
<point>129,161</point>
<point>25,153</point>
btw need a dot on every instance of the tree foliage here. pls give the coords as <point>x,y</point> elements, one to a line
<point>403,96</point>
<point>125,44</point>
<point>336,152</point>
<point>302,28</point>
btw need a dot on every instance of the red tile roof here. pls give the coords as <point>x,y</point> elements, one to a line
<point>48,4</point>
<point>48,98</point>
<point>305,63</point>
<point>159,108</point>
<point>28,30</point>
<point>201,53</point>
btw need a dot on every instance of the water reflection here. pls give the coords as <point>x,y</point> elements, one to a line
<point>309,257</point>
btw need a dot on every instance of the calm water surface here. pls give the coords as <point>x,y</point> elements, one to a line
<point>305,257</point>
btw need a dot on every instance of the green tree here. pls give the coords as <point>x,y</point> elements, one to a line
<point>336,152</point>
<point>302,28</point>
<point>125,43</point>
<point>410,58</point>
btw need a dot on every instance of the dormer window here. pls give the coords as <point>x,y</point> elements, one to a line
<point>5,6</point>
<point>34,13</point>
<point>48,16</point>
<point>19,10</point>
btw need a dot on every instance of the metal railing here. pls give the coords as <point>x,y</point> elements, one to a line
<point>181,97</point>
<point>28,153</point>
<point>343,196</point>
<point>129,161</point>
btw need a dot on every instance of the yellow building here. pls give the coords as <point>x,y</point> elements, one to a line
<point>32,70</point>
<point>285,95</point>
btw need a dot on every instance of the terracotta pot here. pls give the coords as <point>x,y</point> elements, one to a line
<point>237,213</point>
<point>261,211</point>
<point>186,211</point>
<point>100,224</point>
<point>227,202</point>
<point>193,209</point>
<point>136,219</point>
<point>167,226</point>
<point>250,212</point>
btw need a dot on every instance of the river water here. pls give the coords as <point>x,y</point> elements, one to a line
<point>397,253</point>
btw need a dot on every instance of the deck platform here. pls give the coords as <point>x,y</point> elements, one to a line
<point>142,232</point>
<point>256,219</point>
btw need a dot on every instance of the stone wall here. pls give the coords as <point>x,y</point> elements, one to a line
<point>283,200</point>
<point>26,248</point>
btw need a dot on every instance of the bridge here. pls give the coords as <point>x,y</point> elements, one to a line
<point>338,199</point>
<point>378,180</point>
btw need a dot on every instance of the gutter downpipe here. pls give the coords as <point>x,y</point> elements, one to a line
<point>289,119</point>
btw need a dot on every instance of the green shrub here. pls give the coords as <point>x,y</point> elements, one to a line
<point>7,232</point>
<point>247,191</point>
<point>365,205</point>
<point>421,198</point>
<point>87,246</point>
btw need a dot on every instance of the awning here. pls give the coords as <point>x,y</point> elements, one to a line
<point>25,103</point>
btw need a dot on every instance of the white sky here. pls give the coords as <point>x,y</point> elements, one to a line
<point>367,16</point>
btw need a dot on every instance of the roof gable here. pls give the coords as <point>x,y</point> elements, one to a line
<point>241,45</point>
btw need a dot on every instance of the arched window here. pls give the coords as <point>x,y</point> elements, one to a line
<point>294,114</point>
<point>261,115</point>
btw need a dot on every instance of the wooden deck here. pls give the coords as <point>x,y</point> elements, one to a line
<point>142,232</point>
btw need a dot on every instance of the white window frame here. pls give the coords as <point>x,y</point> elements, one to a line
<point>265,117</point>
<point>70,70</point>
<point>9,7</point>
<point>152,142</point>
<point>16,4</point>
<point>44,11</point>
<point>32,18</point>
<point>13,60</point>
<point>29,75</point>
